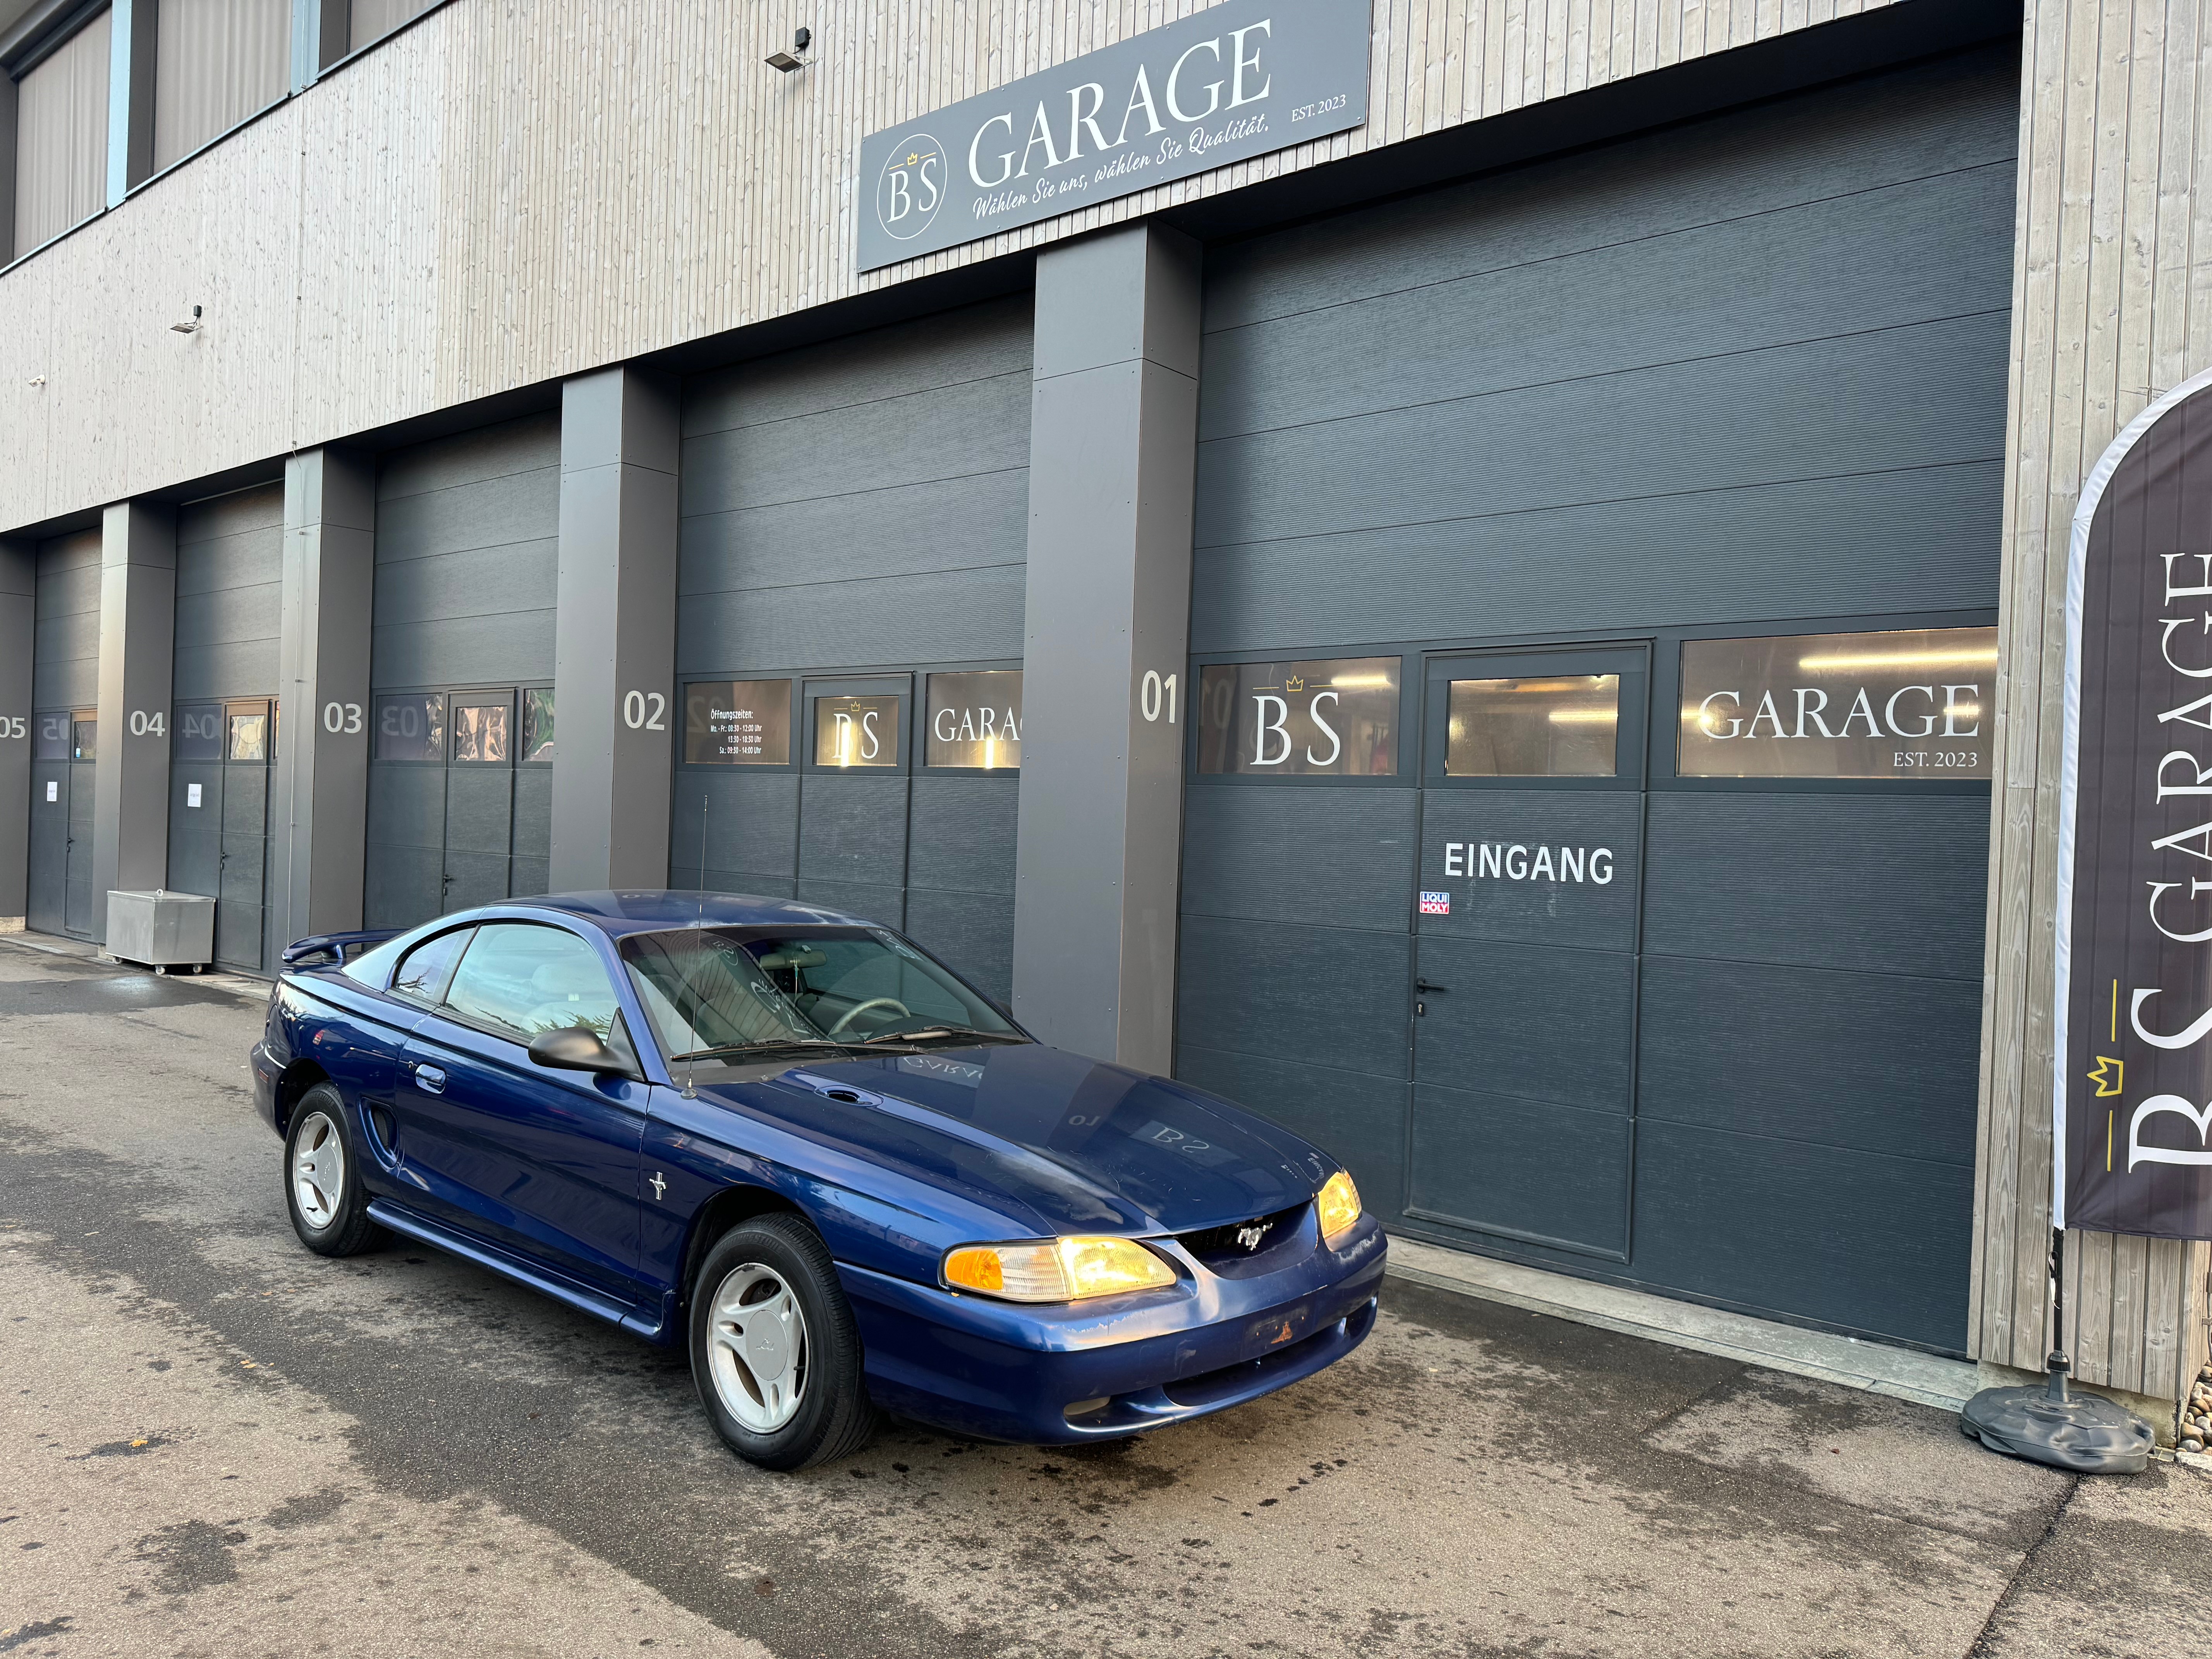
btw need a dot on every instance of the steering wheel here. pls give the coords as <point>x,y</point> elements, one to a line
<point>852,1014</point>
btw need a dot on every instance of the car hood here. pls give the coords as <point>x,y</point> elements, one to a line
<point>1071,1143</point>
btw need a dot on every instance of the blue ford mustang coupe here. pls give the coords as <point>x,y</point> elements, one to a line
<point>798,1143</point>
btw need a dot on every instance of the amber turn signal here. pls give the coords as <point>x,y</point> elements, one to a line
<point>1055,1270</point>
<point>1337,1204</point>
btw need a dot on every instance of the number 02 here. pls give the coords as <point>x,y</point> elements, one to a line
<point>645,711</point>
<point>1156,694</point>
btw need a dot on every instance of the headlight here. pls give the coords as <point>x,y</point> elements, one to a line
<point>1063,1270</point>
<point>1337,1204</point>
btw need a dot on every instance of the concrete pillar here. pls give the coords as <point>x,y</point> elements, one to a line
<point>614,650</point>
<point>318,788</point>
<point>19,600</point>
<point>1112,457</point>
<point>137,645</point>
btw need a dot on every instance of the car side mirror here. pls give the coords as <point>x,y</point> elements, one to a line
<point>575,1049</point>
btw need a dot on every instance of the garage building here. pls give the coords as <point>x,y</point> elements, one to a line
<point>1485,634</point>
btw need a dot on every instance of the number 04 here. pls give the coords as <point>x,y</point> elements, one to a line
<point>1156,694</point>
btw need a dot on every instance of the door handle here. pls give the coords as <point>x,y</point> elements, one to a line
<point>430,1080</point>
<point>1423,985</point>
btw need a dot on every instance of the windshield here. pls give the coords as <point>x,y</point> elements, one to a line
<point>719,990</point>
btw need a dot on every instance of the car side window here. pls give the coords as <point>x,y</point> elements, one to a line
<point>519,979</point>
<point>423,971</point>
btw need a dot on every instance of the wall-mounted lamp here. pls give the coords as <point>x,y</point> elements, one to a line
<point>785,61</point>
<point>192,327</point>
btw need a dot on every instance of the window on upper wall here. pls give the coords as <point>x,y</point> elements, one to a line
<point>372,20</point>
<point>215,63</point>
<point>61,137</point>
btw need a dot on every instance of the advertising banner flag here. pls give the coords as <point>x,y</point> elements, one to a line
<point>2133,1015</point>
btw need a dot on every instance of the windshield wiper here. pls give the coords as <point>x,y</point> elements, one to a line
<point>766,1045</point>
<point>942,1031</point>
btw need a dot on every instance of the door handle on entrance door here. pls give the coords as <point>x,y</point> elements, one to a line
<point>430,1080</point>
<point>1424,985</point>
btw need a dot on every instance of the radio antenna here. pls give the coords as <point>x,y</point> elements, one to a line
<point>690,1090</point>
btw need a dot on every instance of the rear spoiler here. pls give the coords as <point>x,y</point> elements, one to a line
<point>335,949</point>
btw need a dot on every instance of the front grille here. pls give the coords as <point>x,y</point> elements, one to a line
<point>1241,1241</point>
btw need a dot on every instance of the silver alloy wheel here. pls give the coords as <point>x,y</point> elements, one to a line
<point>757,1347</point>
<point>318,1170</point>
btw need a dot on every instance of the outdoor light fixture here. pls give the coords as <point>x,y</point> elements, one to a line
<point>192,327</point>
<point>788,61</point>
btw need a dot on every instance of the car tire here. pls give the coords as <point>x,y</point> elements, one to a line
<point>329,1206</point>
<point>775,1353</point>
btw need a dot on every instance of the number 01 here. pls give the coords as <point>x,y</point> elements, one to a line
<point>1156,694</point>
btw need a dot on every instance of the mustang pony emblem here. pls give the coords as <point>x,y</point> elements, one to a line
<point>1248,1238</point>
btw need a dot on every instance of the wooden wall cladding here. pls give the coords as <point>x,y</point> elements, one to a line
<point>503,194</point>
<point>2109,309</point>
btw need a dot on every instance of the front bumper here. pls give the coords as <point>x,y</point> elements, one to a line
<point>1005,1371</point>
<point>266,1069</point>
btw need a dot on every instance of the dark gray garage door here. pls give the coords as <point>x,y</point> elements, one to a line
<point>223,726</point>
<point>840,503</point>
<point>65,684</point>
<point>62,766</point>
<point>460,777</point>
<point>1746,377</point>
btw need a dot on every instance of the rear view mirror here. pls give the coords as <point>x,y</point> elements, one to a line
<point>575,1049</point>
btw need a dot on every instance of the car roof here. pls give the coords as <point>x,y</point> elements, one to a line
<point>629,910</point>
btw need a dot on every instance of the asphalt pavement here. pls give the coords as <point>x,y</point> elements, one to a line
<point>217,1443</point>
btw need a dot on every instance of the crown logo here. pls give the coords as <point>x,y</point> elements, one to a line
<point>1295,683</point>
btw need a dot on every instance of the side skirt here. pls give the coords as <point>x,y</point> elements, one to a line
<point>651,1324</point>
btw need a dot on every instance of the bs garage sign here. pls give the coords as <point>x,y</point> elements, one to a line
<point>2134,980</point>
<point>1236,81</point>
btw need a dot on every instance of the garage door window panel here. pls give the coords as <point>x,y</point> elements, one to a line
<point>411,727</point>
<point>1331,717</point>
<point>1892,703</point>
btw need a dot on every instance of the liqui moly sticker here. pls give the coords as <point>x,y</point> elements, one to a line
<point>1435,904</point>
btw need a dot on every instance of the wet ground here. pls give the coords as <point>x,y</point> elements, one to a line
<point>214,1443</point>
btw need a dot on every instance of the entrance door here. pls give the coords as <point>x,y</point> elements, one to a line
<point>480,800</point>
<point>219,819</point>
<point>60,900</point>
<point>459,801</point>
<point>52,774</point>
<point>1526,945</point>
<point>241,908</point>
<point>853,799</point>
